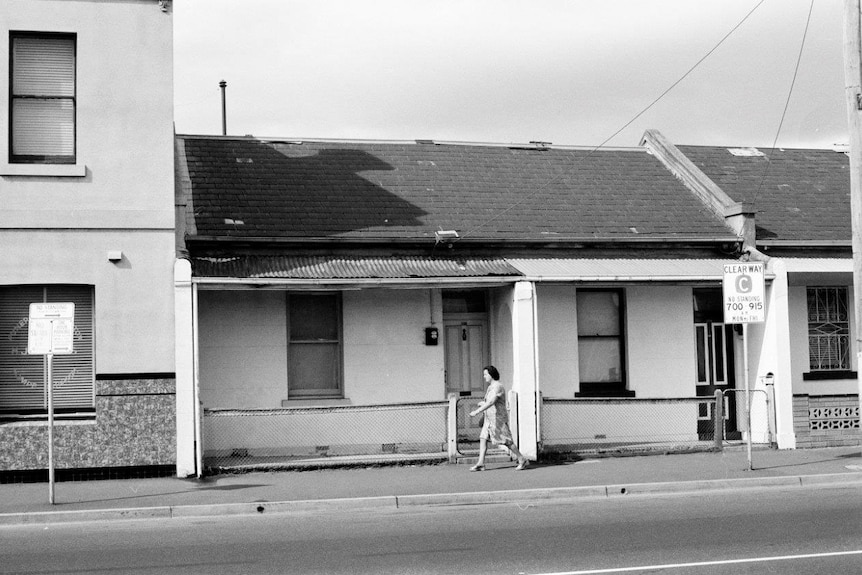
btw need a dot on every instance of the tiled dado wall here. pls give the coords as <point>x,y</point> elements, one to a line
<point>134,426</point>
<point>826,420</point>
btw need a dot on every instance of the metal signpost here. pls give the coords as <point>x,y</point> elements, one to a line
<point>50,331</point>
<point>743,291</point>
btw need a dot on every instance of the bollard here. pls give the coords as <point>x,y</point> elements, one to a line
<point>719,420</point>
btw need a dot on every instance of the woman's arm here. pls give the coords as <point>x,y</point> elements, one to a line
<point>481,407</point>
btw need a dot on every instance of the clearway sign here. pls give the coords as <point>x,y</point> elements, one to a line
<point>743,293</point>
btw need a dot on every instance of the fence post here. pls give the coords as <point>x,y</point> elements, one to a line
<point>718,434</point>
<point>452,428</point>
<point>770,412</point>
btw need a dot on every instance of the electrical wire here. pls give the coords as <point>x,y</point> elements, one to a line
<point>786,105</point>
<point>626,125</point>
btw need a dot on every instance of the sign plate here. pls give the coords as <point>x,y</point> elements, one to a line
<point>742,286</point>
<point>51,328</point>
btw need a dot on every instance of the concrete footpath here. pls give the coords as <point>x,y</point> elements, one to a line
<point>407,485</point>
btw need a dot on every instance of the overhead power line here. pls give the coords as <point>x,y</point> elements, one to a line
<point>626,125</point>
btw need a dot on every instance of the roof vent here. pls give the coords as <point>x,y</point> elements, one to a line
<point>746,152</point>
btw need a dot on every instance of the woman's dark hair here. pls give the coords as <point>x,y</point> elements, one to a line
<point>492,371</point>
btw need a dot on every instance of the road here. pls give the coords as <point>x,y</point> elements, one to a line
<point>768,531</point>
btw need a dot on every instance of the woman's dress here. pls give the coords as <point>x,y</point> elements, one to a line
<point>496,425</point>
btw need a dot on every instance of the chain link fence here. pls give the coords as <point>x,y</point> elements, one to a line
<point>606,426</point>
<point>266,438</point>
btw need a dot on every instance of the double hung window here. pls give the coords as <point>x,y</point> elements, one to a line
<point>314,346</point>
<point>42,102</point>
<point>601,348</point>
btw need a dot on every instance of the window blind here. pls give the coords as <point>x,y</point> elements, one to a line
<point>22,376</point>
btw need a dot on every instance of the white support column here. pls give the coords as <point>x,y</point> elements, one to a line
<point>775,354</point>
<point>185,368</point>
<point>524,380</point>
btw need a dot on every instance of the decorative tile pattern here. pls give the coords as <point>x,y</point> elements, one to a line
<point>134,426</point>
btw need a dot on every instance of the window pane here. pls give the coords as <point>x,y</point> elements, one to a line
<point>313,369</point>
<point>43,66</point>
<point>43,127</point>
<point>313,317</point>
<point>599,360</point>
<point>598,313</point>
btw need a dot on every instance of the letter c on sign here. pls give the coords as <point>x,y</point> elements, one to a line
<point>743,284</point>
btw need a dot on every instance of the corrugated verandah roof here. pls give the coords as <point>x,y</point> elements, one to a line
<point>326,267</point>
<point>409,267</point>
<point>248,188</point>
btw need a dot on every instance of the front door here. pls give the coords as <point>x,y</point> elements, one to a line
<point>465,340</point>
<point>714,362</point>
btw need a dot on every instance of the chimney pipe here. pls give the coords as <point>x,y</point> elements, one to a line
<point>223,85</point>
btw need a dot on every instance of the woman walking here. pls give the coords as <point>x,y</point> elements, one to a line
<point>496,425</point>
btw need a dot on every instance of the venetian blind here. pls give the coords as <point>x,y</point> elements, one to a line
<point>22,376</point>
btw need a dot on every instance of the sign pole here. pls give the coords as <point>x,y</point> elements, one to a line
<point>50,330</point>
<point>747,394</point>
<point>50,384</point>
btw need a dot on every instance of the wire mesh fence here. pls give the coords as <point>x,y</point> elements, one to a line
<point>628,424</point>
<point>236,438</point>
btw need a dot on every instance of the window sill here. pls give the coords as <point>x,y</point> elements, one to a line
<point>828,375</point>
<point>315,402</point>
<point>59,420</point>
<point>600,394</point>
<point>44,170</point>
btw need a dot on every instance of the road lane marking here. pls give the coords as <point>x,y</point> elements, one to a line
<point>706,563</point>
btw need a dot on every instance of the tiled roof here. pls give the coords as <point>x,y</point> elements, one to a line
<point>800,195</point>
<point>249,188</point>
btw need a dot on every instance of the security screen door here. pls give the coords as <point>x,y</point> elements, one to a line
<point>714,361</point>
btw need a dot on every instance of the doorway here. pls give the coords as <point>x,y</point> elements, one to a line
<point>714,361</point>
<point>466,342</point>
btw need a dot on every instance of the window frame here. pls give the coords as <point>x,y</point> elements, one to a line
<point>307,393</point>
<point>845,370</point>
<point>607,388</point>
<point>44,159</point>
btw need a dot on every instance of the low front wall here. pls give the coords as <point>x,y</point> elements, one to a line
<point>826,420</point>
<point>134,426</point>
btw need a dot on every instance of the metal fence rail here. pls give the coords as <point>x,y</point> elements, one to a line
<point>631,424</point>
<point>249,437</point>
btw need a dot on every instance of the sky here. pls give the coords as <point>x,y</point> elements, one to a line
<point>569,72</point>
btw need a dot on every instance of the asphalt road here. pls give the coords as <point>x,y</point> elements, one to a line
<point>767,531</point>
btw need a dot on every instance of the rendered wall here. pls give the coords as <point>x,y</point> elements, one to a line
<point>659,341</point>
<point>59,229</point>
<point>243,348</point>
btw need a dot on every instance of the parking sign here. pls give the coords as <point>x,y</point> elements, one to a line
<point>742,286</point>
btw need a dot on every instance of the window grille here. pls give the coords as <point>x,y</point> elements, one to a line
<point>828,329</point>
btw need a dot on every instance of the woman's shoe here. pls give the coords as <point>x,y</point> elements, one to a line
<point>477,467</point>
<point>522,465</point>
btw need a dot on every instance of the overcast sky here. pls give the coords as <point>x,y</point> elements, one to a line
<point>571,72</point>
